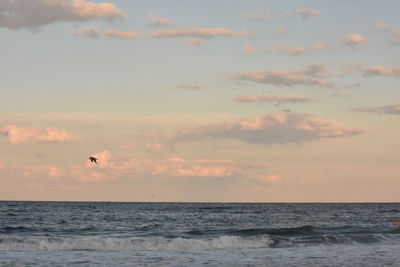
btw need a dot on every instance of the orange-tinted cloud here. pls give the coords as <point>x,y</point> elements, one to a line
<point>394,32</point>
<point>354,39</point>
<point>196,168</point>
<point>381,70</point>
<point>291,50</point>
<point>158,21</point>
<point>388,109</point>
<point>305,13</point>
<point>194,32</point>
<point>19,135</point>
<point>36,13</point>
<point>313,74</point>
<point>190,86</point>
<point>273,128</point>
<point>196,41</point>
<point>258,15</point>
<point>277,99</point>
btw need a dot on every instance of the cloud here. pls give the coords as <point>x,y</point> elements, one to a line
<point>155,147</point>
<point>294,51</point>
<point>190,86</point>
<point>196,168</point>
<point>127,146</point>
<point>305,13</point>
<point>394,32</point>
<point>275,178</point>
<point>193,32</point>
<point>277,99</point>
<point>341,95</point>
<point>109,168</point>
<point>346,68</point>
<point>18,135</point>
<point>157,21</point>
<point>354,39</point>
<point>258,15</point>
<point>313,74</point>
<point>274,128</point>
<point>249,49</point>
<point>196,41</point>
<point>388,109</point>
<point>36,13</point>
<point>381,70</point>
<point>281,29</point>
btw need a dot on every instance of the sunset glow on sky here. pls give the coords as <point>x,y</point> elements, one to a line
<point>256,101</point>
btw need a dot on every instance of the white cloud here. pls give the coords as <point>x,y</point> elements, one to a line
<point>388,109</point>
<point>19,135</point>
<point>274,128</point>
<point>36,13</point>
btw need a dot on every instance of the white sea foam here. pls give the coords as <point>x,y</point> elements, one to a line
<point>15,243</point>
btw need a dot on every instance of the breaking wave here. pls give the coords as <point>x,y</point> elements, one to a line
<point>114,243</point>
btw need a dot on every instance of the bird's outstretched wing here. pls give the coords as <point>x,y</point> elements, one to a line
<point>93,159</point>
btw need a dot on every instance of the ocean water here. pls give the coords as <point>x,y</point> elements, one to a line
<point>198,234</point>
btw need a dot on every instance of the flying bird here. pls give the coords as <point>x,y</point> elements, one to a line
<point>93,159</point>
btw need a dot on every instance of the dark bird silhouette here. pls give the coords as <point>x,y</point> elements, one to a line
<point>93,159</point>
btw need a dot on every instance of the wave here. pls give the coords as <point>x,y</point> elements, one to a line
<point>8,243</point>
<point>294,231</point>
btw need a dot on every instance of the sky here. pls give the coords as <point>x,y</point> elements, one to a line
<point>200,101</point>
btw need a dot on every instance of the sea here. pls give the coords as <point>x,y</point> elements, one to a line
<point>199,234</point>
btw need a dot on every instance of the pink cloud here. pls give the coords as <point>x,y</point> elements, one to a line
<point>273,128</point>
<point>282,29</point>
<point>258,15</point>
<point>19,135</point>
<point>37,13</point>
<point>305,13</point>
<point>194,32</point>
<point>294,51</point>
<point>313,74</point>
<point>196,41</point>
<point>190,86</point>
<point>196,168</point>
<point>354,39</point>
<point>381,70</point>
<point>154,147</point>
<point>388,109</point>
<point>249,49</point>
<point>275,178</point>
<point>394,32</point>
<point>127,146</point>
<point>341,95</point>
<point>277,99</point>
<point>157,21</point>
